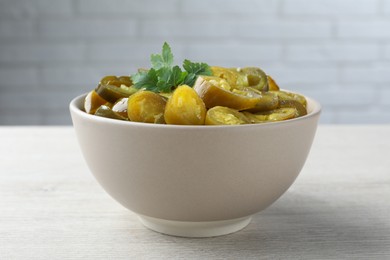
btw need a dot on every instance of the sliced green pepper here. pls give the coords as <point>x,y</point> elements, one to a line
<point>120,107</point>
<point>267,101</point>
<point>301,110</point>
<point>216,91</point>
<point>256,78</point>
<point>284,95</point>
<point>92,102</point>
<point>112,93</point>
<point>278,114</point>
<point>106,111</point>
<point>225,116</point>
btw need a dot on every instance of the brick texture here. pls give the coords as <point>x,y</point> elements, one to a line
<point>374,74</point>
<point>41,52</point>
<point>335,51</point>
<point>11,29</point>
<point>359,29</point>
<point>36,8</point>
<point>85,28</point>
<point>123,7</point>
<point>330,7</point>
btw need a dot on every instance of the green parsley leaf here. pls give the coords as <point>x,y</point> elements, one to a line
<point>165,59</point>
<point>190,79</point>
<point>164,77</point>
<point>176,76</point>
<point>170,77</point>
<point>184,75</point>
<point>147,80</point>
<point>195,69</point>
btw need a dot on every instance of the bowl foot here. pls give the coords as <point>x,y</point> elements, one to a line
<point>195,229</point>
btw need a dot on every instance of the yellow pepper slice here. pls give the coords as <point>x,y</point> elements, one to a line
<point>279,114</point>
<point>225,116</point>
<point>92,102</point>
<point>272,85</point>
<point>120,107</point>
<point>215,91</point>
<point>106,111</point>
<point>255,77</point>
<point>146,106</point>
<point>185,107</point>
<point>284,95</point>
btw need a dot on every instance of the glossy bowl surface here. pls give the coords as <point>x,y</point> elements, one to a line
<point>197,175</point>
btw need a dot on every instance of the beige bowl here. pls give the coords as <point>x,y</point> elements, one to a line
<point>194,181</point>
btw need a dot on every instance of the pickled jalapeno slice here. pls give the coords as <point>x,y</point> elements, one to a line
<point>92,102</point>
<point>284,95</point>
<point>300,109</point>
<point>185,107</point>
<point>267,101</point>
<point>120,107</point>
<point>272,85</point>
<point>231,75</point>
<point>112,88</point>
<point>278,114</point>
<point>282,114</point>
<point>194,94</point>
<point>256,78</point>
<point>116,81</point>
<point>112,93</point>
<point>106,111</point>
<point>147,107</point>
<point>215,91</point>
<point>225,116</point>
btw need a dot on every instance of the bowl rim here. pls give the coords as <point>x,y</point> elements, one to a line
<point>74,108</point>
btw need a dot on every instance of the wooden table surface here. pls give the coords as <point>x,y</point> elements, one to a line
<point>52,208</point>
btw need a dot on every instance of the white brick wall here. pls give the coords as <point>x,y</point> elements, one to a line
<point>126,7</point>
<point>35,8</point>
<point>11,29</point>
<point>81,28</point>
<point>216,7</point>
<point>337,51</point>
<point>333,52</point>
<point>330,7</point>
<point>41,52</point>
<point>360,29</point>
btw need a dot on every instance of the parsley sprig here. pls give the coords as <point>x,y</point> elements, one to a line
<point>164,76</point>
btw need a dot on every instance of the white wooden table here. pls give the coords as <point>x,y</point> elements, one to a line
<point>52,208</point>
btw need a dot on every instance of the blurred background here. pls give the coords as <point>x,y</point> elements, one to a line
<point>337,51</point>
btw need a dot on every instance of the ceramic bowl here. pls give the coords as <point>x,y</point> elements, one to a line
<point>194,181</point>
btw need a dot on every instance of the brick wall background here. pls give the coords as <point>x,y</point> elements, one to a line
<point>337,51</point>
